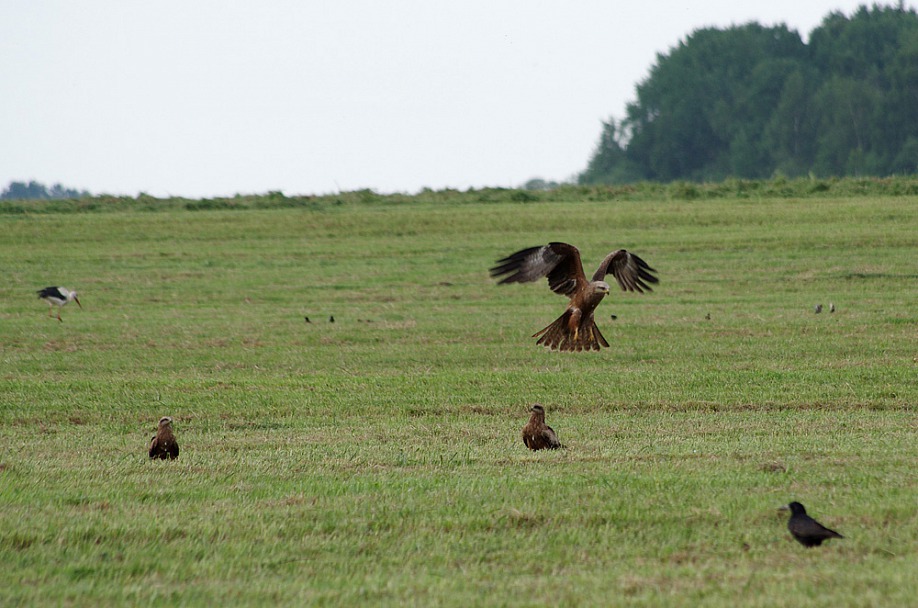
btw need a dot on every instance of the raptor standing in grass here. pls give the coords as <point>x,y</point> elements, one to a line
<point>58,296</point>
<point>575,330</point>
<point>163,445</point>
<point>536,434</point>
<point>807,531</point>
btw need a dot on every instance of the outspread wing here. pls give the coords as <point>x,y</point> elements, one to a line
<point>631,272</point>
<point>559,262</point>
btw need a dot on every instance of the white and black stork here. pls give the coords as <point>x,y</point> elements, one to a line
<point>58,296</point>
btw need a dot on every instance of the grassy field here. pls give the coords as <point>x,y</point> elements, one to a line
<point>377,459</point>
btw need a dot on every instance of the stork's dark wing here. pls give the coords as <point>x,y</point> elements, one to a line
<point>51,292</point>
<point>631,272</point>
<point>559,262</point>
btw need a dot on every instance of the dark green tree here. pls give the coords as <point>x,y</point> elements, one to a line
<point>609,163</point>
<point>702,112</point>
<point>750,101</point>
<point>846,108</point>
<point>793,125</point>
<point>34,190</point>
<point>868,64</point>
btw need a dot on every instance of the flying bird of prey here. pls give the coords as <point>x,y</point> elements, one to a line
<point>57,296</point>
<point>163,445</point>
<point>536,434</point>
<point>575,330</point>
<point>807,531</point>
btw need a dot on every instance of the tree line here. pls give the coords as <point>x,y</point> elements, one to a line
<point>753,102</point>
<point>33,190</point>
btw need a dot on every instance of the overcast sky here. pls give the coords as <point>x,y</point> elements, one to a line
<point>205,98</point>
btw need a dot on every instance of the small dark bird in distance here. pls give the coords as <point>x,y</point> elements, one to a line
<point>536,434</point>
<point>307,319</point>
<point>806,530</point>
<point>331,319</point>
<point>163,444</point>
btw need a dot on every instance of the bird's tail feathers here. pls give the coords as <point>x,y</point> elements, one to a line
<point>559,336</point>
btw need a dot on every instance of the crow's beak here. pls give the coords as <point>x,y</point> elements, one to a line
<point>784,508</point>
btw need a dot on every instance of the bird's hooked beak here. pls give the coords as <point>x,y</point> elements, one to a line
<point>602,287</point>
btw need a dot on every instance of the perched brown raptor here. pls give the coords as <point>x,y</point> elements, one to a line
<point>536,434</point>
<point>163,445</point>
<point>575,330</point>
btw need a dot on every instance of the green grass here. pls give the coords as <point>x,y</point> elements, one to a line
<point>377,460</point>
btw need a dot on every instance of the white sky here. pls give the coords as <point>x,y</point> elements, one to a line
<point>205,98</point>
